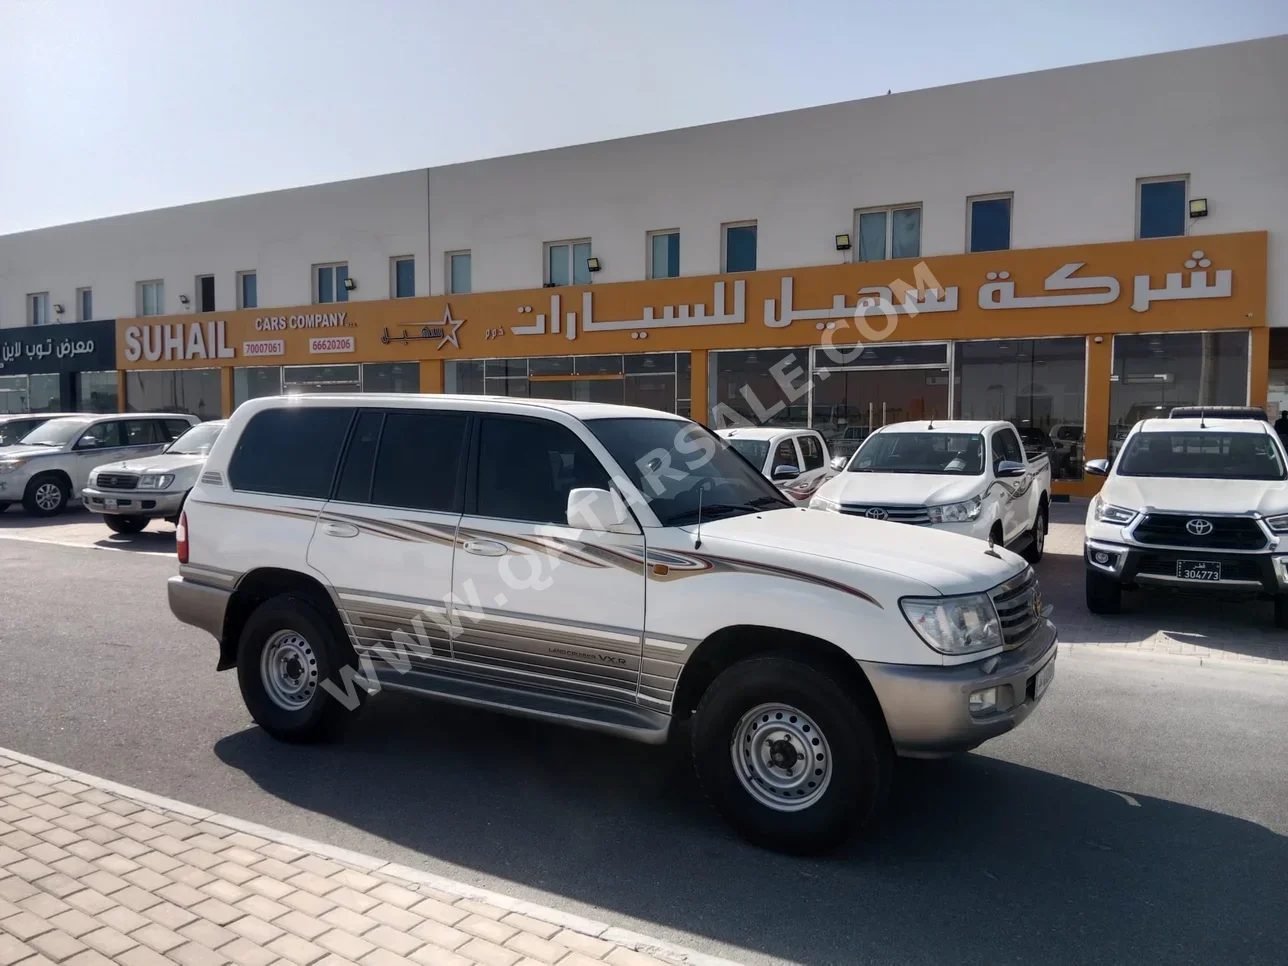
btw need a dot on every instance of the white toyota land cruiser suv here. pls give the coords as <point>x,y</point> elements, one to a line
<point>605,567</point>
<point>1191,504</point>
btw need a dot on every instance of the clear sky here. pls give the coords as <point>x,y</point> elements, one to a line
<point>110,106</point>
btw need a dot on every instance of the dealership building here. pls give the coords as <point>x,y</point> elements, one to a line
<point>1072,250</point>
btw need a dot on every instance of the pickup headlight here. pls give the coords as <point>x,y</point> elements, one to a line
<point>823,503</point>
<point>155,481</point>
<point>1279,524</point>
<point>954,625</point>
<point>8,466</point>
<point>1108,513</point>
<point>962,512</point>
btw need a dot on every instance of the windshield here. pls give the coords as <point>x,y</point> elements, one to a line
<point>198,440</point>
<point>1208,456</point>
<point>950,454</point>
<point>753,450</point>
<point>56,432</point>
<point>675,464</point>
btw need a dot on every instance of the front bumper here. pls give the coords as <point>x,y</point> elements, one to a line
<point>197,604</point>
<point>135,503</point>
<point>1156,567</point>
<point>926,707</point>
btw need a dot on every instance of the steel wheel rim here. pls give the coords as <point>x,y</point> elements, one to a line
<point>48,496</point>
<point>288,668</point>
<point>781,757</point>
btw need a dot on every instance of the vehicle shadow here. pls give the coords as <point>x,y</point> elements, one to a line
<point>975,858</point>
<point>78,526</point>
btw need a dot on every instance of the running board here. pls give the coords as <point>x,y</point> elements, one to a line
<point>577,711</point>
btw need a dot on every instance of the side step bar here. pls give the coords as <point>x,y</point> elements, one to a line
<point>577,711</point>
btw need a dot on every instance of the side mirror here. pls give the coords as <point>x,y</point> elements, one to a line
<point>1097,467</point>
<point>786,472</point>
<point>88,442</point>
<point>600,510</point>
<point>1007,468</point>
<point>838,463</point>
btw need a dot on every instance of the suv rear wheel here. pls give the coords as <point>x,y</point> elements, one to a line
<point>1037,537</point>
<point>790,758</point>
<point>1104,594</point>
<point>288,652</point>
<point>46,495</point>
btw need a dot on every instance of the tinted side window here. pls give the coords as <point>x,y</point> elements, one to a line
<point>141,432</point>
<point>360,460</point>
<point>785,455</point>
<point>1006,447</point>
<point>527,468</point>
<point>290,452</point>
<point>420,460</point>
<point>104,434</point>
<point>174,428</point>
<point>811,452</point>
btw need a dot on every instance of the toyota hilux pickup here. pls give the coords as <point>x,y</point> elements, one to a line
<point>966,476</point>
<point>1193,504</point>
<point>602,567</point>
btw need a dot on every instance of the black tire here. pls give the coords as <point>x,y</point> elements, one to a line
<point>1037,537</point>
<point>1104,594</point>
<point>1281,611</point>
<point>4,505</point>
<point>853,733</point>
<point>120,524</point>
<point>322,716</point>
<point>37,490</point>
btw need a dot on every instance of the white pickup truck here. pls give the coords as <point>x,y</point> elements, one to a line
<point>967,476</point>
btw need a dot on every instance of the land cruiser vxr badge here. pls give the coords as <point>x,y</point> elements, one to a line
<point>1199,527</point>
<point>876,513</point>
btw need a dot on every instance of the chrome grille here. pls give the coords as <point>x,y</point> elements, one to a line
<point>1017,602</point>
<point>895,514</point>
<point>117,481</point>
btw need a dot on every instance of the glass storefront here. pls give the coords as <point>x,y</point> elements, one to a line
<point>1037,384</point>
<point>1153,373</point>
<point>194,391</point>
<point>391,377</point>
<point>346,377</point>
<point>96,392</point>
<point>252,382</point>
<point>654,380</point>
<point>766,387</point>
<point>37,393</point>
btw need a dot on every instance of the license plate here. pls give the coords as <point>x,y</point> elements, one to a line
<point>110,504</point>
<point>1198,570</point>
<point>1043,678</point>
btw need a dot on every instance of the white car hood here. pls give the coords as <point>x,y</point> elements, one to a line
<point>1196,496</point>
<point>901,489</point>
<point>23,452</point>
<point>160,463</point>
<point>949,562</point>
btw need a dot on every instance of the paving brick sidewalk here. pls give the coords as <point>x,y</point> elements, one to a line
<point>89,878</point>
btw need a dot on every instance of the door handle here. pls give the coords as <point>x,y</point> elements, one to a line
<point>486,548</point>
<point>340,529</point>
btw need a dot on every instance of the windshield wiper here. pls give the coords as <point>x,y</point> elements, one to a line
<point>708,511</point>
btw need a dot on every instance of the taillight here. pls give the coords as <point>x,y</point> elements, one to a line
<point>181,538</point>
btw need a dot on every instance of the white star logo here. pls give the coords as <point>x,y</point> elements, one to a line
<point>450,328</point>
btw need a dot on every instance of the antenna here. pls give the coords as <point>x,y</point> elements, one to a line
<point>1202,423</point>
<point>697,537</point>
<point>931,423</point>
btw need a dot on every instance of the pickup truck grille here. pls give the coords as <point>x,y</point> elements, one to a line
<point>1226,533</point>
<point>895,514</point>
<point>117,481</point>
<point>1017,602</point>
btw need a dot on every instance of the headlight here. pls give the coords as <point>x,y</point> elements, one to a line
<point>962,512</point>
<point>1108,513</point>
<point>954,625</point>
<point>8,466</point>
<point>155,481</point>
<point>823,503</point>
<point>1279,524</point>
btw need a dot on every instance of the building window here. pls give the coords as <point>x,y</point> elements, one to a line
<point>38,308</point>
<point>84,304</point>
<point>893,230</point>
<point>391,377</point>
<point>252,382</point>
<point>403,271</point>
<point>1160,207</point>
<point>990,223</point>
<point>566,263</point>
<point>194,391</point>
<point>247,290</point>
<point>151,298</point>
<point>460,277</point>
<point>739,241</point>
<point>96,392</point>
<point>664,254</point>
<point>205,293</point>
<point>328,282</point>
<point>1038,385</point>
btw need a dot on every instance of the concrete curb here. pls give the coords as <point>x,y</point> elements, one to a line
<point>415,877</point>
<point>1259,665</point>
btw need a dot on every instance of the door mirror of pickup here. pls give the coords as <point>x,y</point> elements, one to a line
<point>1097,467</point>
<point>1007,468</point>
<point>600,510</point>
<point>838,463</point>
<point>786,472</point>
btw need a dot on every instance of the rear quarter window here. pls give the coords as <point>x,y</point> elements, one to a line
<point>290,451</point>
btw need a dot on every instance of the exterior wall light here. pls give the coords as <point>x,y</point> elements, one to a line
<point>183,299</point>
<point>592,264</point>
<point>349,284</point>
<point>58,308</point>
<point>842,243</point>
<point>1198,208</point>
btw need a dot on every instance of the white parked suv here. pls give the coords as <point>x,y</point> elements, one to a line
<point>1191,504</point>
<point>134,491</point>
<point>500,552</point>
<point>968,476</point>
<point>52,463</point>
<point>794,460</point>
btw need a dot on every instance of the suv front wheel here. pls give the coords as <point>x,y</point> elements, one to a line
<point>288,655</point>
<point>791,759</point>
<point>46,496</point>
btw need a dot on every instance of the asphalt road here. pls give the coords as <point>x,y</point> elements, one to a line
<point>1141,813</point>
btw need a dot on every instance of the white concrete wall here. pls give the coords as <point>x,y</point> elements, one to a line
<point>280,235</point>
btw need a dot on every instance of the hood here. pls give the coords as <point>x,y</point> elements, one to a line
<point>1267,497</point>
<point>24,452</point>
<point>160,463</point>
<point>948,562</point>
<point>901,489</point>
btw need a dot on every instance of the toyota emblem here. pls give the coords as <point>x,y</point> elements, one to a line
<point>1199,527</point>
<point>876,513</point>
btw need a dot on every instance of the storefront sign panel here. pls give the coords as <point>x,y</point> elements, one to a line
<point>59,347</point>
